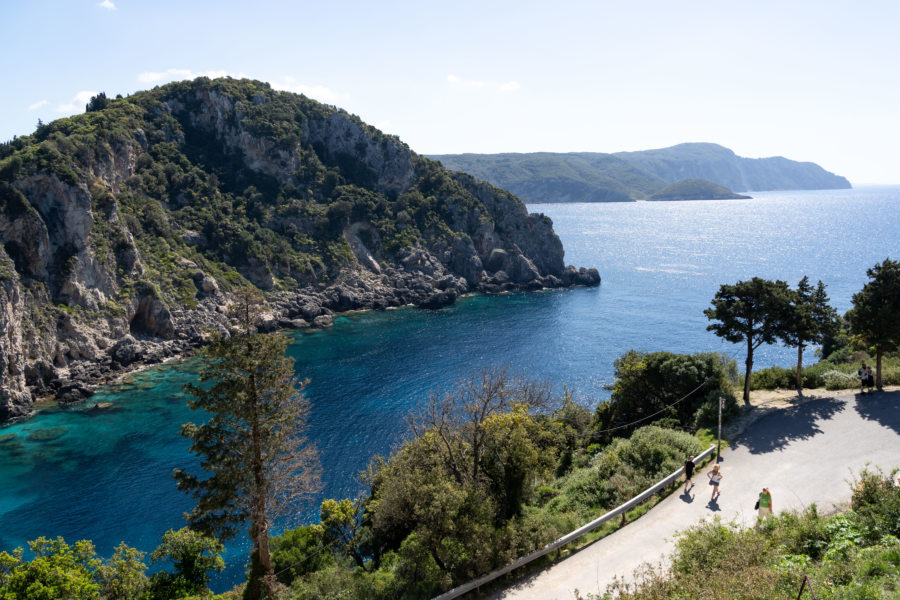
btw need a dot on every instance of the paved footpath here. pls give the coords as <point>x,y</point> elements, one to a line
<point>804,454</point>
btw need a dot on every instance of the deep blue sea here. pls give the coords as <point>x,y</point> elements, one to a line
<point>106,475</point>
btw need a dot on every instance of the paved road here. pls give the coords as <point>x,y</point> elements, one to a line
<point>805,454</point>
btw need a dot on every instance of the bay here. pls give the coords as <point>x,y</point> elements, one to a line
<point>105,474</point>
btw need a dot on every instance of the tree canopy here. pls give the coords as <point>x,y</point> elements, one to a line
<point>751,312</point>
<point>809,320</point>
<point>253,448</point>
<point>875,316</point>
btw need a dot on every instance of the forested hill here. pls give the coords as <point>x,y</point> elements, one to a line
<point>722,166</point>
<point>626,176</point>
<point>125,229</point>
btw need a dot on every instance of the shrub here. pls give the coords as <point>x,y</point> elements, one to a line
<point>708,413</point>
<point>836,380</point>
<point>773,378</point>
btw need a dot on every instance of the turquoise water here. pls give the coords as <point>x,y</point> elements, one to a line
<point>105,475</point>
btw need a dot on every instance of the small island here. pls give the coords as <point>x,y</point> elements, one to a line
<point>696,189</point>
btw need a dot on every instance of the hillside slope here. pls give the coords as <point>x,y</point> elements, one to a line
<point>625,176</point>
<point>722,166</point>
<point>125,229</point>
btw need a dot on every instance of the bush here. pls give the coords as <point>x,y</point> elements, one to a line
<point>708,413</point>
<point>773,378</point>
<point>836,380</point>
<point>623,469</point>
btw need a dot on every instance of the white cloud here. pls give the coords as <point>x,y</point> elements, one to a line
<point>179,74</point>
<point>456,80</point>
<point>38,104</point>
<point>77,103</point>
<point>316,92</point>
<point>107,4</point>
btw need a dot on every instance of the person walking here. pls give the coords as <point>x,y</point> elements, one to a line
<point>765,502</point>
<point>870,379</point>
<point>688,473</point>
<point>715,478</point>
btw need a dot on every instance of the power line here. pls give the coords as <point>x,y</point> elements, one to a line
<point>685,397</point>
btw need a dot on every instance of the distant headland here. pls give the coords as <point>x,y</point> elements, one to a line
<point>627,176</point>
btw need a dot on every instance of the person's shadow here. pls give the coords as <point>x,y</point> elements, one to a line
<point>686,497</point>
<point>713,505</point>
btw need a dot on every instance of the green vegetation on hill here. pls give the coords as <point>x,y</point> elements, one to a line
<point>597,177</point>
<point>550,177</point>
<point>245,181</point>
<point>695,189</point>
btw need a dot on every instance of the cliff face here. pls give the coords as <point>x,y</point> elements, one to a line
<point>125,230</point>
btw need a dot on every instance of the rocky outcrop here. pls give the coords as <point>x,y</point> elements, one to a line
<point>102,271</point>
<point>15,398</point>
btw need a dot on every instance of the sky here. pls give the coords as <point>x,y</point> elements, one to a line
<point>811,81</point>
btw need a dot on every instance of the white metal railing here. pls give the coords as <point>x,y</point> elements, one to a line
<point>569,537</point>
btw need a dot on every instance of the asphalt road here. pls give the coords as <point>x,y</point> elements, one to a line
<point>804,454</point>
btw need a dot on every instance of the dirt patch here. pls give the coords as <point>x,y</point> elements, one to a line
<point>764,402</point>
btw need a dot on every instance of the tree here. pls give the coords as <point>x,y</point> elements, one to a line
<point>447,499</point>
<point>752,312</point>
<point>661,386</point>
<point>56,571</point>
<point>808,321</point>
<point>98,102</point>
<point>253,448</point>
<point>123,576</point>
<point>875,316</point>
<point>193,555</point>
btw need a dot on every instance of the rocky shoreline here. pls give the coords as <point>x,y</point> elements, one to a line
<point>420,280</point>
<point>125,248</point>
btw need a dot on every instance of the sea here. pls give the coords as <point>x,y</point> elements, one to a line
<point>106,475</point>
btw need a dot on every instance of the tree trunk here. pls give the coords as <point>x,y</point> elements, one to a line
<point>799,368</point>
<point>878,354</point>
<point>749,369</point>
<point>261,583</point>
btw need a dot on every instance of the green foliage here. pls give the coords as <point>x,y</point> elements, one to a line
<point>873,318</point>
<point>623,469</point>
<point>300,551</point>
<point>123,576</point>
<point>57,570</point>
<point>260,463</point>
<point>193,555</point>
<point>752,312</point>
<point>193,195</point>
<point>650,387</point>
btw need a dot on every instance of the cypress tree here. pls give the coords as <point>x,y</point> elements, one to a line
<point>252,447</point>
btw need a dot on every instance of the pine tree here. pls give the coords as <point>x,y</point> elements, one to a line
<point>875,316</point>
<point>253,449</point>
<point>753,312</point>
<point>809,320</point>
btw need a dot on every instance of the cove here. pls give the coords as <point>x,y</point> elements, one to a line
<point>105,475</point>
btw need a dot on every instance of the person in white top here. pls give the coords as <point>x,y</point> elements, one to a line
<point>715,478</point>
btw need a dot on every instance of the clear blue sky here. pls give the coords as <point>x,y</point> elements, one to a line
<point>812,81</point>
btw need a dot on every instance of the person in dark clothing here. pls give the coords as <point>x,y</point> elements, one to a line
<point>688,473</point>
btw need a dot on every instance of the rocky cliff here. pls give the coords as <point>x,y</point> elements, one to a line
<point>125,230</point>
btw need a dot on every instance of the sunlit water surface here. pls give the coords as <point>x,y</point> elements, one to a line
<point>106,474</point>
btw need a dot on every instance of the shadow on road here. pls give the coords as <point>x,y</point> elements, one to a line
<point>774,431</point>
<point>882,407</point>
